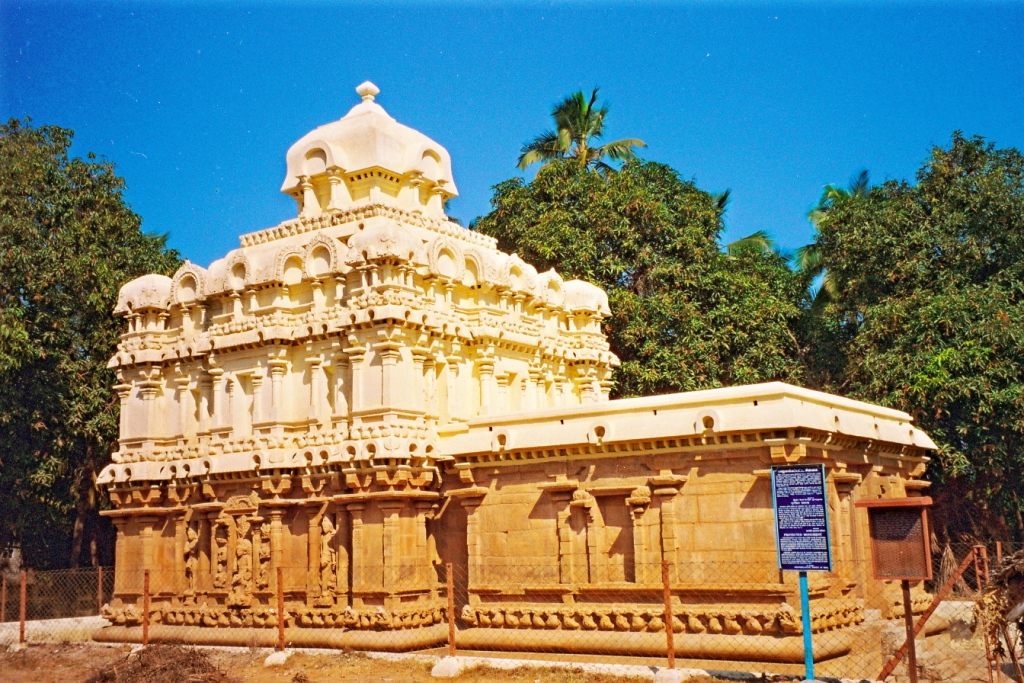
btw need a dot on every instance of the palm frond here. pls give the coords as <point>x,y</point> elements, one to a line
<point>604,170</point>
<point>860,186</point>
<point>721,200</point>
<point>545,147</point>
<point>759,241</point>
<point>620,150</point>
<point>808,260</point>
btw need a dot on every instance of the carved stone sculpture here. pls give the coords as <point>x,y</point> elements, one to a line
<point>191,557</point>
<point>328,556</point>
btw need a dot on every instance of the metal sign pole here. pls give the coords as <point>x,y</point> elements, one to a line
<point>799,499</point>
<point>805,610</point>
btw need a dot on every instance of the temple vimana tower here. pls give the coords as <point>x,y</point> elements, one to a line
<point>369,391</point>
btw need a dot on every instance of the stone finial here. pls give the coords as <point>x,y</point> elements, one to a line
<point>367,91</point>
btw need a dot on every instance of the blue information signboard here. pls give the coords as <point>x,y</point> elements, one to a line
<point>801,518</point>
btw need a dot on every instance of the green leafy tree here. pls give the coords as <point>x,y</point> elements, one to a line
<point>579,124</point>
<point>67,243</point>
<point>808,258</point>
<point>685,315</point>
<point>929,318</point>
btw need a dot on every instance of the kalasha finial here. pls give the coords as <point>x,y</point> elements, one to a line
<point>367,91</point>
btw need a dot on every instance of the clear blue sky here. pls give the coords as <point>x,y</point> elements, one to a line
<point>197,103</point>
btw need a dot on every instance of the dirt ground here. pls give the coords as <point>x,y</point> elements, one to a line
<point>80,663</point>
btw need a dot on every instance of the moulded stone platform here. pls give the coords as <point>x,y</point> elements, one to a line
<point>378,641</point>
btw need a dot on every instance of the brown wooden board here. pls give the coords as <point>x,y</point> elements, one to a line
<point>900,545</point>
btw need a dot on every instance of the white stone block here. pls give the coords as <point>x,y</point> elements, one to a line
<point>448,667</point>
<point>277,658</point>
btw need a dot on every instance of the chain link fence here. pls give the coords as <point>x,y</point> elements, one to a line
<point>717,616</point>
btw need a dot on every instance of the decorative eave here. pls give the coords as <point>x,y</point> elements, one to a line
<point>774,414</point>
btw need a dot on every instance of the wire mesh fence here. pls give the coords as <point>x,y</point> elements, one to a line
<point>60,605</point>
<point>743,616</point>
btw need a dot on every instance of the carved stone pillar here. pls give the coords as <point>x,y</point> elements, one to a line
<point>120,555</point>
<point>180,583</point>
<point>409,196</point>
<point>419,391</point>
<point>504,402</point>
<point>148,390</point>
<point>343,543</point>
<point>430,388</point>
<point>359,582</point>
<point>206,548</point>
<point>486,370</point>
<point>342,387</point>
<point>566,554</point>
<point>435,204</point>
<point>531,396</point>
<point>276,545</point>
<point>313,564</point>
<point>422,568</point>
<point>643,572</point>
<point>181,395</point>
<point>124,391</point>
<point>340,197</point>
<point>228,419</point>
<point>389,355</point>
<point>357,355</point>
<point>216,384</point>
<point>393,555</point>
<point>452,387</point>
<point>475,563</point>
<point>316,389</point>
<point>278,367</point>
<point>205,405</point>
<point>586,384</point>
<point>257,398</point>
<point>146,537</point>
<point>310,203</point>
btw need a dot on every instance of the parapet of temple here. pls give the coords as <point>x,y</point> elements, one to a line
<point>369,390</point>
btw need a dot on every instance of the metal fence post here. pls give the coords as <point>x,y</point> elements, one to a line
<point>451,610</point>
<point>145,608</point>
<point>908,619</point>
<point>22,608</point>
<point>3,599</point>
<point>989,660</point>
<point>280,609</point>
<point>99,590</point>
<point>670,636</point>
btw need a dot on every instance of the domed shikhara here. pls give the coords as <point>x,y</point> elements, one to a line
<point>149,292</point>
<point>368,157</point>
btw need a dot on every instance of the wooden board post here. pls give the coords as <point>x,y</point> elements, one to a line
<point>451,609</point>
<point>670,636</point>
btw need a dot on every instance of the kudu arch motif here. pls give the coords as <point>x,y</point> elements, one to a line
<point>368,391</point>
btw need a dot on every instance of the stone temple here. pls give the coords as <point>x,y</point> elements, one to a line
<point>369,391</point>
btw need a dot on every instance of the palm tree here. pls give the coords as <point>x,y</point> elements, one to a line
<point>808,259</point>
<point>579,123</point>
<point>760,242</point>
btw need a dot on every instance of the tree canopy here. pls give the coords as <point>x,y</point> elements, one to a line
<point>68,242</point>
<point>927,315</point>
<point>579,124</point>
<point>685,314</point>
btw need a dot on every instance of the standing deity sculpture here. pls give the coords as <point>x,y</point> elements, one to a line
<point>242,579</point>
<point>191,557</point>
<point>263,561</point>
<point>328,555</point>
<point>220,574</point>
